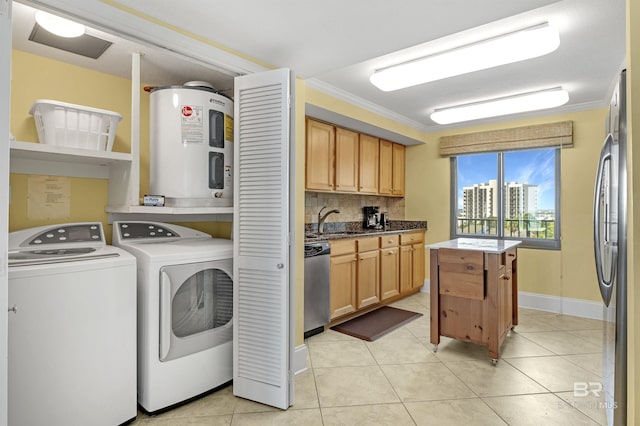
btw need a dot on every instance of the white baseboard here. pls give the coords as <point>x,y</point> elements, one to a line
<point>561,305</point>
<point>300,359</point>
<point>556,304</point>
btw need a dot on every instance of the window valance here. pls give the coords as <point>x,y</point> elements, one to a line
<point>559,134</point>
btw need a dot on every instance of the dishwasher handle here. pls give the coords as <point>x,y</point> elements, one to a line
<point>317,248</point>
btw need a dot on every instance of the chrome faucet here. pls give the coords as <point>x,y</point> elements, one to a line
<point>322,218</point>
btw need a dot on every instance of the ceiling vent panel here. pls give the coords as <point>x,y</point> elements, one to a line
<point>85,45</point>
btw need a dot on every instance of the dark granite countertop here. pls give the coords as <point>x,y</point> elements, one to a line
<point>338,230</point>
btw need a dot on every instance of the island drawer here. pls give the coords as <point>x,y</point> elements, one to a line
<point>461,273</point>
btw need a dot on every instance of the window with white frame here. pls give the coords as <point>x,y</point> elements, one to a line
<point>508,194</point>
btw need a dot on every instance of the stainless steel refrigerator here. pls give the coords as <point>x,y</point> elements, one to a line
<point>610,243</point>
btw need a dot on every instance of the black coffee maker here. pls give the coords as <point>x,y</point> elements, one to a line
<point>371,217</point>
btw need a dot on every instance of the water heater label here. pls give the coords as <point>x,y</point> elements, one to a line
<point>228,127</point>
<point>192,124</point>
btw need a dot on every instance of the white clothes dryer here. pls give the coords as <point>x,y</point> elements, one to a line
<point>185,309</point>
<point>72,338</point>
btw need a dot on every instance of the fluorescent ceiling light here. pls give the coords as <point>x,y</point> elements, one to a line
<point>59,26</point>
<point>531,101</point>
<point>512,47</point>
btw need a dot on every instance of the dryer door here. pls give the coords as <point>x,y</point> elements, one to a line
<point>196,307</point>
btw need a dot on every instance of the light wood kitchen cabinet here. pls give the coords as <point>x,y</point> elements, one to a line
<point>391,168</point>
<point>398,169</point>
<point>474,293</point>
<point>369,164</point>
<point>411,261</point>
<point>341,160</point>
<point>320,156</point>
<point>368,273</point>
<point>347,160</point>
<point>389,266</point>
<point>385,185</point>
<point>343,273</point>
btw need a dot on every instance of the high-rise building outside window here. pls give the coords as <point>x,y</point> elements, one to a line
<point>510,194</point>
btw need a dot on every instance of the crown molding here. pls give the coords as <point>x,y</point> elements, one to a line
<point>343,95</point>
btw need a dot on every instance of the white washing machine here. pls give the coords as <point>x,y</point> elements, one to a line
<point>185,308</point>
<point>72,338</point>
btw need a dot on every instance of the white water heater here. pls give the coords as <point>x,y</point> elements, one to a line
<point>191,146</point>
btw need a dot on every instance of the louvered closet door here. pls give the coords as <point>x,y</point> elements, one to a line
<point>262,303</point>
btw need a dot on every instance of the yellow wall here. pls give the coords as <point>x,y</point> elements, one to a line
<point>569,272</point>
<point>87,202</point>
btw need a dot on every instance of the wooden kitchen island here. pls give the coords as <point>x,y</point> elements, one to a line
<point>474,291</point>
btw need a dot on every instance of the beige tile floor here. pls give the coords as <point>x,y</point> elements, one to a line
<point>398,380</point>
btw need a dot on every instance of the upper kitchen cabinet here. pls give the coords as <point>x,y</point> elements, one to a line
<point>347,160</point>
<point>398,169</point>
<point>320,156</point>
<point>332,158</point>
<point>392,168</point>
<point>341,160</point>
<point>368,174</point>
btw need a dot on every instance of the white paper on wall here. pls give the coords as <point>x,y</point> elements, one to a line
<point>49,197</point>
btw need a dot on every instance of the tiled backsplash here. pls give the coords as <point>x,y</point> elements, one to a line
<point>350,206</point>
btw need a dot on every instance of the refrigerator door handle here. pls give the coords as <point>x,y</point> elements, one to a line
<point>606,285</point>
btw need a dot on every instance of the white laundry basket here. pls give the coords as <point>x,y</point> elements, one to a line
<point>74,126</point>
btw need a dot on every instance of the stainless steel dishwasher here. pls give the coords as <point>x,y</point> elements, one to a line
<point>316,287</point>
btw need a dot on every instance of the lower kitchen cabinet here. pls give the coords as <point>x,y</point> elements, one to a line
<point>370,271</point>
<point>411,261</point>
<point>389,266</point>
<point>343,272</point>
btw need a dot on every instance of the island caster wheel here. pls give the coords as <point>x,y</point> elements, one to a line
<point>435,348</point>
<point>494,361</point>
